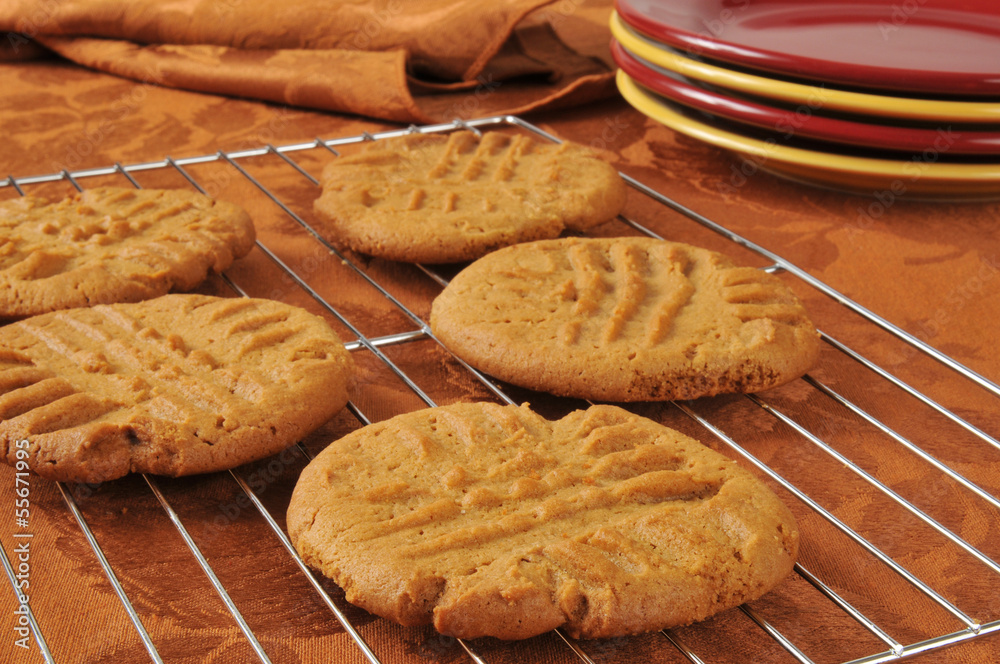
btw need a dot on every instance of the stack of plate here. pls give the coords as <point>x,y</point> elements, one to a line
<point>898,96</point>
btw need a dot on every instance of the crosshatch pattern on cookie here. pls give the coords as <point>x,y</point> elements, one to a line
<point>624,319</point>
<point>110,245</point>
<point>176,385</point>
<point>433,198</point>
<point>490,520</point>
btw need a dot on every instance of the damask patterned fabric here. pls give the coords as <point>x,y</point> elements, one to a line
<point>402,61</point>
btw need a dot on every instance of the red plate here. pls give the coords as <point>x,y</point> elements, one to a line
<point>802,121</point>
<point>949,47</point>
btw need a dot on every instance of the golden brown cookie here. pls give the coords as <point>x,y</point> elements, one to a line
<point>624,319</point>
<point>113,245</point>
<point>176,385</point>
<point>489,520</point>
<point>431,198</point>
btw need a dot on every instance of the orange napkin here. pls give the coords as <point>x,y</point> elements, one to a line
<point>405,61</point>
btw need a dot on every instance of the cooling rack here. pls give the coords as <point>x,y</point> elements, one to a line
<point>831,444</point>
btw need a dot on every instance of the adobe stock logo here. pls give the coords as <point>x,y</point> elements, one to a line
<point>913,171</point>
<point>899,15</point>
<point>714,28</point>
<point>787,126</point>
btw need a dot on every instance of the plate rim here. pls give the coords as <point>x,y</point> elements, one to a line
<point>798,93</point>
<point>915,81</point>
<point>833,130</point>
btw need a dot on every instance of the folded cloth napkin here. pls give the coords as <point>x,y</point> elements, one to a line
<point>398,60</point>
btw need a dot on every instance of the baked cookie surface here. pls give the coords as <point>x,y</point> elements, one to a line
<point>431,198</point>
<point>176,385</point>
<point>111,244</point>
<point>624,319</point>
<point>489,520</point>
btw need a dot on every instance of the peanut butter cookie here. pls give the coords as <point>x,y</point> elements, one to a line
<point>176,385</point>
<point>489,520</point>
<point>431,198</point>
<point>113,245</point>
<point>624,319</point>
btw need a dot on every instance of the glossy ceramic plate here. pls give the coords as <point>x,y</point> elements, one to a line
<point>920,46</point>
<point>803,122</point>
<point>815,96</point>
<point>921,176</point>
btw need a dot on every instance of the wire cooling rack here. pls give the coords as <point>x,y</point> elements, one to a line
<point>827,444</point>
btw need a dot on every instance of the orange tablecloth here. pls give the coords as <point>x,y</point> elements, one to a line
<point>930,268</point>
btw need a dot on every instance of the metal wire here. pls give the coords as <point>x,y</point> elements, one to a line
<point>930,645</point>
<point>902,502</point>
<point>24,608</point>
<point>895,646</point>
<point>905,442</point>
<point>248,633</point>
<point>313,581</point>
<point>896,650</point>
<point>913,392</point>
<point>678,643</point>
<point>13,183</point>
<point>840,525</point>
<point>584,657</point>
<point>133,615</point>
<point>773,632</point>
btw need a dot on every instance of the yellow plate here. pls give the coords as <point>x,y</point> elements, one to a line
<point>922,176</point>
<point>935,110</point>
